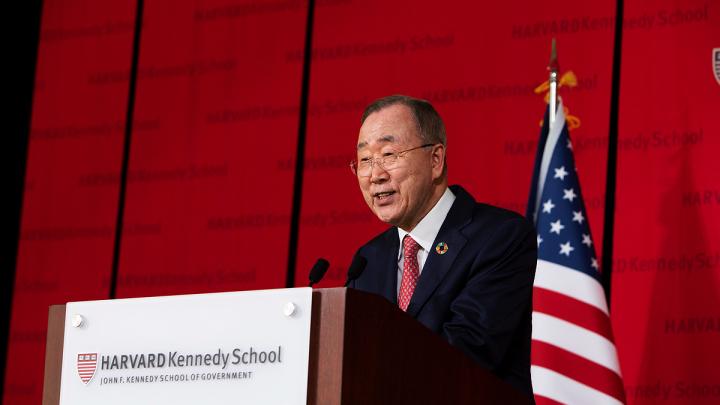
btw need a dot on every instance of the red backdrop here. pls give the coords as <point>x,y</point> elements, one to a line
<point>209,192</point>
<point>666,297</point>
<point>68,223</point>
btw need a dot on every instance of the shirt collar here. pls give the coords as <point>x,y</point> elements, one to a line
<point>427,229</point>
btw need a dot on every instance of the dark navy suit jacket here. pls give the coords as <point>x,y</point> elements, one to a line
<point>478,295</point>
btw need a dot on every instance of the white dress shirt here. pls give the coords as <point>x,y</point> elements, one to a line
<point>425,232</point>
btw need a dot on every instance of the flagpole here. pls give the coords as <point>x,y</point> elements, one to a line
<point>553,67</point>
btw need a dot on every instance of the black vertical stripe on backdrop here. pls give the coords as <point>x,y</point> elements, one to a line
<point>126,147</point>
<point>21,52</point>
<point>611,176</point>
<point>300,152</point>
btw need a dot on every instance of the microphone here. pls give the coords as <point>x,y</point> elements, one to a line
<point>318,271</point>
<point>356,268</point>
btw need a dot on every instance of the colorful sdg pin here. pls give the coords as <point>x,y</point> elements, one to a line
<point>441,248</point>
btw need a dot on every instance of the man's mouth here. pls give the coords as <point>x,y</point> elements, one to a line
<point>383,195</point>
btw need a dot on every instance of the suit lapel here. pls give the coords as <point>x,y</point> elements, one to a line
<point>387,258</point>
<point>437,265</point>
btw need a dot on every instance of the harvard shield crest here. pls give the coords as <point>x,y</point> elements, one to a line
<point>86,365</point>
<point>716,64</point>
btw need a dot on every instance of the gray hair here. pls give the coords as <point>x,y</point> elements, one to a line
<point>429,123</point>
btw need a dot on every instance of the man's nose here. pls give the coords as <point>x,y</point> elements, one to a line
<point>378,174</point>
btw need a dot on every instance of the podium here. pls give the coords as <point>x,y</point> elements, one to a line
<point>363,350</point>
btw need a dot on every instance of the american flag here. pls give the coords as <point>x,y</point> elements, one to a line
<point>574,359</point>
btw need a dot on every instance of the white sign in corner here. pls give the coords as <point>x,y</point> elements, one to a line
<point>227,348</point>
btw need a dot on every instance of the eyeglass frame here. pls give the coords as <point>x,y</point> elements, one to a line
<point>380,160</point>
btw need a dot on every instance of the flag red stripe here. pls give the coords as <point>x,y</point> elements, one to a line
<point>578,368</point>
<point>541,400</point>
<point>572,310</point>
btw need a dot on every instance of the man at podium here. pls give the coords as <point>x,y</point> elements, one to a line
<point>463,269</point>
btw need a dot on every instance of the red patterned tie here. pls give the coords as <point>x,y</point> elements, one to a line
<point>411,271</point>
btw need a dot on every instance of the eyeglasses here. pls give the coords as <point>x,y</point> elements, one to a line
<point>387,161</point>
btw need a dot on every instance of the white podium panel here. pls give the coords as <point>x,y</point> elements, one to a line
<point>226,348</point>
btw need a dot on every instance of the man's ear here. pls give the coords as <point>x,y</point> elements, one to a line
<point>438,161</point>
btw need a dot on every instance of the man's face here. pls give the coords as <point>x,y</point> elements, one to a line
<point>400,196</point>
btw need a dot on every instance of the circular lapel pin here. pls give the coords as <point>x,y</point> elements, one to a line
<point>441,248</point>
